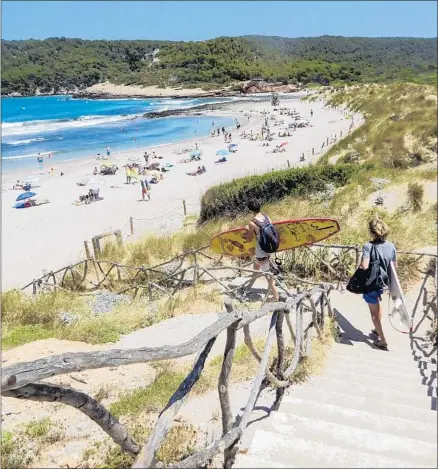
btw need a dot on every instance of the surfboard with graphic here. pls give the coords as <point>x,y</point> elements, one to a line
<point>293,234</point>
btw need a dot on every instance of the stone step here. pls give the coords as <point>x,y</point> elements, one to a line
<point>248,461</point>
<point>372,354</point>
<point>408,369</point>
<point>388,382</point>
<point>341,398</point>
<point>372,390</point>
<point>354,438</point>
<point>360,418</point>
<point>308,453</point>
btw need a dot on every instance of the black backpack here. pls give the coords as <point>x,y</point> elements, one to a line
<point>373,279</point>
<point>269,237</point>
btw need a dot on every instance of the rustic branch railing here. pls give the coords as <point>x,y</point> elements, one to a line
<point>21,380</point>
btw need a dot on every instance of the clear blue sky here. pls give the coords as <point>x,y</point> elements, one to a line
<point>206,19</point>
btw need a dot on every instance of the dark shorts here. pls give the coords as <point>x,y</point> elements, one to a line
<point>373,297</point>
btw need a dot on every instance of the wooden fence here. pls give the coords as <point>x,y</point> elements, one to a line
<point>22,380</point>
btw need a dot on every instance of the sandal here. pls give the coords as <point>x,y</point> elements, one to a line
<point>373,331</point>
<point>381,346</point>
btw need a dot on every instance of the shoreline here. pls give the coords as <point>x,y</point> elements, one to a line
<point>50,236</point>
<point>222,109</point>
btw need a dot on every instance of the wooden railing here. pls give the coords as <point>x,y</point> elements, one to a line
<point>23,380</point>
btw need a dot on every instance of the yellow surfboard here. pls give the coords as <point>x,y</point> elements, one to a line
<point>293,234</point>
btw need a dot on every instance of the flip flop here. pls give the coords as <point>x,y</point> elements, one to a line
<point>381,346</point>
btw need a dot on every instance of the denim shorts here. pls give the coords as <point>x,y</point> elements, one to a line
<point>373,297</point>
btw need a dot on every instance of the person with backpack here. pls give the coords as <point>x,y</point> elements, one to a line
<point>267,241</point>
<point>377,256</point>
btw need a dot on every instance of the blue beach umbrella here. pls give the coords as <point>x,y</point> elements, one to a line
<point>25,195</point>
<point>222,152</point>
<point>195,153</point>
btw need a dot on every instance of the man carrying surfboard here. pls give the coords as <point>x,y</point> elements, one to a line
<point>257,227</point>
<point>386,254</point>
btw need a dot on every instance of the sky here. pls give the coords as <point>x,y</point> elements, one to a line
<point>201,20</point>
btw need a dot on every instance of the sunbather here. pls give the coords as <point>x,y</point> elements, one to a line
<point>221,160</point>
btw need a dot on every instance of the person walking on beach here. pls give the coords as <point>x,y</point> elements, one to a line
<point>218,131</point>
<point>108,152</point>
<point>386,254</point>
<point>258,223</point>
<point>146,158</point>
<point>145,189</point>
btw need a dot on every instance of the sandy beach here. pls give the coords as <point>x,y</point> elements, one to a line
<point>50,236</point>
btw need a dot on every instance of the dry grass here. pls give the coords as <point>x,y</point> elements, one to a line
<point>14,451</point>
<point>400,129</point>
<point>179,443</point>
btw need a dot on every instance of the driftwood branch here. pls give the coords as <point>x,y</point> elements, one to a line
<point>81,401</point>
<point>166,417</point>
<point>20,374</point>
<point>249,343</point>
<point>297,350</point>
<point>260,375</point>
<point>199,459</point>
<point>224,396</point>
<point>280,356</point>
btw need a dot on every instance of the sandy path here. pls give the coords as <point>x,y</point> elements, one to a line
<point>51,236</point>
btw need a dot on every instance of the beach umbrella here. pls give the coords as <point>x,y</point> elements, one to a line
<point>195,153</point>
<point>232,146</point>
<point>222,152</point>
<point>282,144</point>
<point>25,195</point>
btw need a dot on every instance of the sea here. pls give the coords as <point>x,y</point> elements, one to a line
<point>72,129</point>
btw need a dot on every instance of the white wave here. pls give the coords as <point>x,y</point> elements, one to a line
<point>41,126</point>
<point>32,155</point>
<point>25,141</point>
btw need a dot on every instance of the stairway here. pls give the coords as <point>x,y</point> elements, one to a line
<point>368,408</point>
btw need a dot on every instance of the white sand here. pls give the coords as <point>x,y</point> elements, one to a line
<point>146,91</point>
<point>51,236</point>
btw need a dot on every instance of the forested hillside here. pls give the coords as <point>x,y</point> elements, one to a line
<point>59,64</point>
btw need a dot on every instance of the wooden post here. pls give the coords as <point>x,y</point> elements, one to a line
<point>288,163</point>
<point>96,246</point>
<point>341,133</point>
<point>280,357</point>
<point>313,151</point>
<point>96,271</point>
<point>131,222</point>
<point>119,238</point>
<point>184,207</point>
<point>87,250</point>
<point>224,397</point>
<point>327,141</point>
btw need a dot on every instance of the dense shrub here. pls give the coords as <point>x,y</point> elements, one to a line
<point>415,196</point>
<point>230,199</point>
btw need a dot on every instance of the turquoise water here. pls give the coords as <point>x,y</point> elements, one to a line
<point>77,128</point>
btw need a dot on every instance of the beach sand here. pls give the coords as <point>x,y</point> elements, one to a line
<point>50,236</point>
<point>152,91</point>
